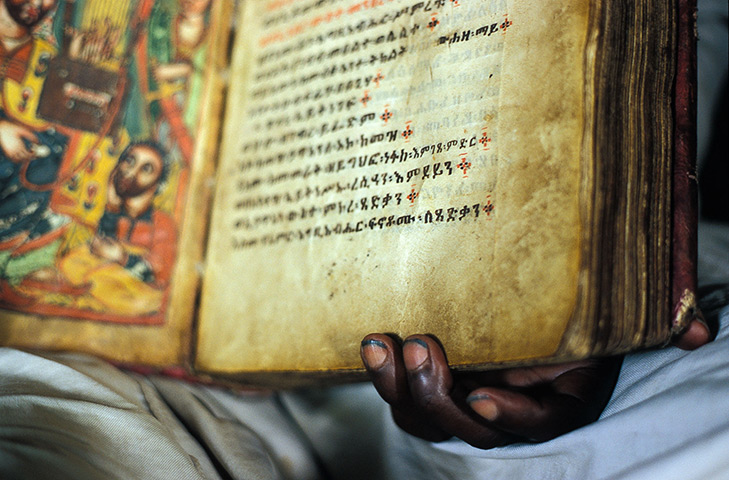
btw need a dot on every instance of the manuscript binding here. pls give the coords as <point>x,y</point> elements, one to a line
<point>521,189</point>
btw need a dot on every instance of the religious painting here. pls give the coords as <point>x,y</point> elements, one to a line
<point>100,104</point>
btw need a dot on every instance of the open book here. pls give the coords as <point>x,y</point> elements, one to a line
<point>496,173</point>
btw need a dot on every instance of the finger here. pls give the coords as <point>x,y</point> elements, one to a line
<point>29,135</point>
<point>431,388</point>
<point>21,155</point>
<point>521,377</point>
<point>525,416</point>
<point>382,357</point>
<point>571,400</point>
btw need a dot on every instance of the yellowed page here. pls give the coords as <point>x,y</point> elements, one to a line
<point>69,293</point>
<point>391,166</point>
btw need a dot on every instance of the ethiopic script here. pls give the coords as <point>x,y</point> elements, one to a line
<point>366,117</point>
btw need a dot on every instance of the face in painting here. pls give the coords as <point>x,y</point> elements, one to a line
<point>29,12</point>
<point>137,172</point>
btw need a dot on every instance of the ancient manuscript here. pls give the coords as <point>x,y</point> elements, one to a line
<point>439,166</point>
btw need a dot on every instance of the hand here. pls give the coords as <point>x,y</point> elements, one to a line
<point>108,249</point>
<point>12,141</point>
<point>485,409</point>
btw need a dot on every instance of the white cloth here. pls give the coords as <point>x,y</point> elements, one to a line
<point>76,417</point>
<point>71,416</point>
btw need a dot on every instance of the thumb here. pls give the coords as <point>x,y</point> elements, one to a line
<point>536,418</point>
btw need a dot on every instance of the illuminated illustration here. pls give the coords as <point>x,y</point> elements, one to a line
<point>100,101</point>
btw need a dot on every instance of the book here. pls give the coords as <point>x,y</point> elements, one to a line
<point>244,191</point>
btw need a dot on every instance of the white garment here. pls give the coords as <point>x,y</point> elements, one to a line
<point>77,417</point>
<point>71,416</point>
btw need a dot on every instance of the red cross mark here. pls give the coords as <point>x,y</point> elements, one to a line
<point>488,207</point>
<point>365,98</point>
<point>386,115</point>
<point>464,165</point>
<point>485,140</point>
<point>505,24</point>
<point>433,22</point>
<point>407,132</point>
<point>412,196</point>
<point>378,78</point>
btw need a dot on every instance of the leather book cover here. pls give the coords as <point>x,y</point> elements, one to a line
<point>685,191</point>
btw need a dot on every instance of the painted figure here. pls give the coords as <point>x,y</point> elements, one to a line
<point>31,149</point>
<point>174,64</point>
<point>127,264</point>
<point>77,239</point>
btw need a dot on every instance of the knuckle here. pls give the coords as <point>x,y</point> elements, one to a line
<point>429,399</point>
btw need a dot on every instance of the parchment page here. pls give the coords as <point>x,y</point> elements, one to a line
<point>396,166</point>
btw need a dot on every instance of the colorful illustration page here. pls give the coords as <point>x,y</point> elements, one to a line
<point>101,108</point>
<point>396,166</point>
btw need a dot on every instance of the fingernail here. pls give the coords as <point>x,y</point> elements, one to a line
<point>414,352</point>
<point>374,353</point>
<point>484,406</point>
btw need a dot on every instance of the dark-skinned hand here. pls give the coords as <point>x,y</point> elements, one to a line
<point>493,408</point>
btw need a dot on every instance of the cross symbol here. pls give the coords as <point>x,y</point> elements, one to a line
<point>506,23</point>
<point>407,132</point>
<point>386,115</point>
<point>378,78</point>
<point>488,208</point>
<point>366,98</point>
<point>484,140</point>
<point>412,196</point>
<point>433,23</point>
<point>464,165</point>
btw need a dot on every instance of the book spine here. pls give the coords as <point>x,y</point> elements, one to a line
<point>685,186</point>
